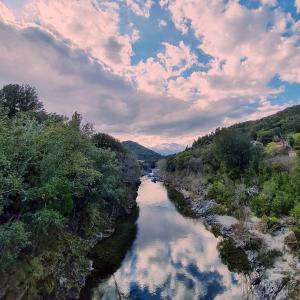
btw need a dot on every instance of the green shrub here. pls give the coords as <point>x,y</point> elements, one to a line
<point>271,148</point>
<point>267,258</point>
<point>297,138</point>
<point>220,192</point>
<point>13,238</point>
<point>269,224</point>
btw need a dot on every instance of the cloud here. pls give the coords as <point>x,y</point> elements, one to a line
<point>297,4</point>
<point>250,44</point>
<point>162,23</point>
<point>153,74</point>
<point>179,262</point>
<point>140,7</point>
<point>5,14</point>
<point>79,56</point>
<point>95,29</point>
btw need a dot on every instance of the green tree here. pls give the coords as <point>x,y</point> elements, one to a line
<point>291,141</point>
<point>19,98</point>
<point>13,239</point>
<point>234,149</point>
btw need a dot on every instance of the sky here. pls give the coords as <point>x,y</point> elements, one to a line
<point>159,72</point>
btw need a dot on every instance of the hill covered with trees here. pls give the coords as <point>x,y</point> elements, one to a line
<point>148,156</point>
<point>252,164</point>
<point>62,187</point>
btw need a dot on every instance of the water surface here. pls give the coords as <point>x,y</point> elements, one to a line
<point>163,254</point>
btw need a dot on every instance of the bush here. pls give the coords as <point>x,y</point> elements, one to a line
<point>297,138</point>
<point>13,239</point>
<point>220,192</point>
<point>47,226</point>
<point>282,203</point>
<point>267,258</point>
<point>269,224</point>
<point>272,148</point>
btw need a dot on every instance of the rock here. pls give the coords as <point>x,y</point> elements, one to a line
<point>252,255</point>
<point>268,289</point>
<point>255,279</point>
<point>282,295</point>
<point>62,281</point>
<point>253,190</point>
<point>90,265</point>
<point>202,208</point>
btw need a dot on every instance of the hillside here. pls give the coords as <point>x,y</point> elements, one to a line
<point>265,129</point>
<point>147,155</point>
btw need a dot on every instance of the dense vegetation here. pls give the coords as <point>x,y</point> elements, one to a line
<point>251,164</point>
<point>147,156</point>
<point>62,186</point>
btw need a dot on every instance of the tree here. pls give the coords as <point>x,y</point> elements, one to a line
<point>291,141</point>
<point>46,226</point>
<point>19,98</point>
<point>297,138</point>
<point>13,238</point>
<point>233,148</point>
<point>105,141</point>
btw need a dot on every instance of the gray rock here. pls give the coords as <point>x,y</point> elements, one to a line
<point>252,255</point>
<point>62,281</point>
<point>282,295</point>
<point>255,279</point>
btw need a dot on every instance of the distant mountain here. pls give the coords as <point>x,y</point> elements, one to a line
<point>168,149</point>
<point>142,153</point>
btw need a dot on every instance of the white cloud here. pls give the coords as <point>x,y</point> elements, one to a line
<point>140,7</point>
<point>269,2</point>
<point>153,74</point>
<point>162,23</point>
<point>5,14</point>
<point>88,25</point>
<point>297,3</point>
<point>152,101</point>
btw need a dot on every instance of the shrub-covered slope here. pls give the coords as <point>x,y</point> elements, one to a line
<point>148,156</point>
<point>251,164</point>
<point>61,190</point>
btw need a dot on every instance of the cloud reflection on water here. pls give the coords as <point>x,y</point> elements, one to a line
<point>173,257</point>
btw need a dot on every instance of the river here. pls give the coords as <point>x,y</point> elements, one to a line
<point>161,253</point>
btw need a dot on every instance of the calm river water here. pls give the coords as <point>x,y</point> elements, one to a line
<point>161,253</point>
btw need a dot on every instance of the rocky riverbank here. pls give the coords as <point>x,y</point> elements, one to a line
<point>270,262</point>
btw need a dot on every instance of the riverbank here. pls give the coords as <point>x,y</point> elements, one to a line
<point>271,263</point>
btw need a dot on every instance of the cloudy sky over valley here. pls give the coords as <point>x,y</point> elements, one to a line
<point>159,72</point>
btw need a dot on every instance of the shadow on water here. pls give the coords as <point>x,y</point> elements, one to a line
<point>108,255</point>
<point>180,204</point>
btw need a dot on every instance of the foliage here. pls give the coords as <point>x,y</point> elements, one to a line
<point>19,98</point>
<point>13,238</point>
<point>148,156</point>
<point>241,172</point>
<point>60,187</point>
<point>105,141</point>
<point>271,148</point>
<point>234,257</point>
<point>291,140</point>
<point>269,224</point>
<point>234,149</point>
<point>297,138</point>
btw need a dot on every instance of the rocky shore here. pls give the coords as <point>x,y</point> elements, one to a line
<point>274,272</point>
